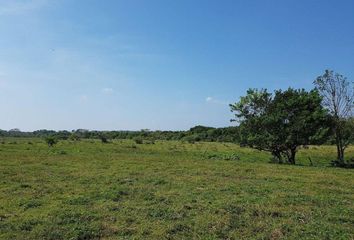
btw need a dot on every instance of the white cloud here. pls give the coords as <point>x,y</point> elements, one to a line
<point>107,91</point>
<point>215,101</point>
<point>17,7</point>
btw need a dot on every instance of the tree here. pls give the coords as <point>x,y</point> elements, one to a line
<point>338,98</point>
<point>51,141</point>
<point>74,137</point>
<point>103,138</point>
<point>280,123</point>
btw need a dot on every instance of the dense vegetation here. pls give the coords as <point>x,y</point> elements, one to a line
<point>283,121</point>
<point>170,190</point>
<point>195,134</point>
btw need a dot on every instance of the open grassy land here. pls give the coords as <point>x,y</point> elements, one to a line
<point>170,190</point>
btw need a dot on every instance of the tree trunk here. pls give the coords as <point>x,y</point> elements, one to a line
<point>339,143</point>
<point>292,155</point>
<point>278,156</point>
<point>338,150</point>
<point>341,152</point>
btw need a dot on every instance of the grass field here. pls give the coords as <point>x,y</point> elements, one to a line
<point>170,190</point>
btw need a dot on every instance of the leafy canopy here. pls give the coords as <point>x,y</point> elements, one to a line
<point>282,122</point>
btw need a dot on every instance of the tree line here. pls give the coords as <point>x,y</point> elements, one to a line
<point>195,134</point>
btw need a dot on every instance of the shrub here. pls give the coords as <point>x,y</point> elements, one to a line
<point>104,139</point>
<point>189,139</point>
<point>151,141</point>
<point>138,140</point>
<point>51,141</point>
<point>74,137</point>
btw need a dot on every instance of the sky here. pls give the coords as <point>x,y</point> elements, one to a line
<point>160,64</point>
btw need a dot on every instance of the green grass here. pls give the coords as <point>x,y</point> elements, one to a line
<point>170,190</point>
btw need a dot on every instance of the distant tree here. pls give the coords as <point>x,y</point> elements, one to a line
<point>200,129</point>
<point>15,130</point>
<point>51,141</point>
<point>74,137</point>
<point>44,133</point>
<point>144,133</point>
<point>338,97</point>
<point>280,123</point>
<point>103,138</point>
<point>63,135</point>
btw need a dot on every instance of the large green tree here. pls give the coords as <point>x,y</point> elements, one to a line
<point>338,97</point>
<point>281,122</point>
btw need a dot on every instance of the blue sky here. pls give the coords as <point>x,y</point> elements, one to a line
<point>160,64</point>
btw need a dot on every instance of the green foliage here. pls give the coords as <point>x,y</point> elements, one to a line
<point>199,133</point>
<point>348,131</point>
<point>74,137</point>
<point>190,139</point>
<point>51,140</point>
<point>200,129</point>
<point>281,123</point>
<point>138,140</point>
<point>103,138</point>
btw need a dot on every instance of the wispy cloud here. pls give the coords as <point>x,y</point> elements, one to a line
<point>17,7</point>
<point>107,91</point>
<point>209,99</point>
<point>83,98</point>
<point>215,101</point>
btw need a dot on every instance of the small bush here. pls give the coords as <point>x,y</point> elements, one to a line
<point>349,164</point>
<point>151,141</point>
<point>104,139</point>
<point>74,137</point>
<point>226,157</point>
<point>51,141</point>
<point>138,141</point>
<point>189,139</point>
